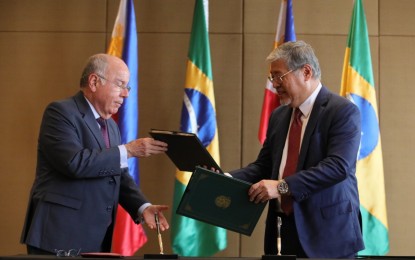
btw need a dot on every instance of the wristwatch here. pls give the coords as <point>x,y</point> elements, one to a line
<point>282,188</point>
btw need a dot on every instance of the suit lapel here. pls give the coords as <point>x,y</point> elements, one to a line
<point>282,132</point>
<point>89,118</point>
<point>316,114</point>
<point>113,133</point>
<point>279,137</point>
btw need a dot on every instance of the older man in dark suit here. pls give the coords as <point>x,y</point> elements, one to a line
<point>82,170</point>
<point>306,168</point>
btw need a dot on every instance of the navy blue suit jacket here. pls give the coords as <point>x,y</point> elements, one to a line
<point>78,181</point>
<point>324,188</point>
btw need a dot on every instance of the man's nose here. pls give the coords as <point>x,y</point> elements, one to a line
<point>275,84</point>
<point>125,92</point>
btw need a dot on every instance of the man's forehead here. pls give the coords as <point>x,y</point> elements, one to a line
<point>278,65</point>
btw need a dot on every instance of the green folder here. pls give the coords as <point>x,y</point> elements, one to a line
<point>220,200</point>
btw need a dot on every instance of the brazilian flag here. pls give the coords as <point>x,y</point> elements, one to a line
<point>191,237</point>
<point>358,85</point>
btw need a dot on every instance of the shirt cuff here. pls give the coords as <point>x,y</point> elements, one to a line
<point>123,156</point>
<point>228,174</point>
<point>140,211</point>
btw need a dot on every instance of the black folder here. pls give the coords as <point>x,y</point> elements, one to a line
<point>185,150</point>
<point>221,201</point>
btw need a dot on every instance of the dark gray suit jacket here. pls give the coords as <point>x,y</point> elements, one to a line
<point>324,188</point>
<point>78,182</point>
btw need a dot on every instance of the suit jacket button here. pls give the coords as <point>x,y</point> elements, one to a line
<point>109,208</point>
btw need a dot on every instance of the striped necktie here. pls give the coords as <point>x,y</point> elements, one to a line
<point>104,130</point>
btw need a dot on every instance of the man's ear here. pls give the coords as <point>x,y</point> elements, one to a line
<point>307,72</point>
<point>92,82</point>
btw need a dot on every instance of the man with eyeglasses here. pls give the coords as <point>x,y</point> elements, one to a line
<point>306,167</point>
<point>82,169</point>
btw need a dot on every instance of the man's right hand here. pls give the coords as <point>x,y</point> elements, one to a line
<point>144,147</point>
<point>263,191</point>
<point>148,215</point>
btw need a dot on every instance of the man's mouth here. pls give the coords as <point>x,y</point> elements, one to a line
<point>280,92</point>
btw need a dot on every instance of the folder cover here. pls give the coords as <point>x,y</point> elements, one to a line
<point>221,201</point>
<point>185,150</point>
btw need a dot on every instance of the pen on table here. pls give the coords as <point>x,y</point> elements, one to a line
<point>156,216</point>
<point>279,223</point>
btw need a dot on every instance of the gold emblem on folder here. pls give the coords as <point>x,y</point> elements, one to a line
<point>223,201</point>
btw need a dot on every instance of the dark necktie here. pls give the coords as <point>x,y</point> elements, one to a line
<point>294,143</point>
<point>103,123</point>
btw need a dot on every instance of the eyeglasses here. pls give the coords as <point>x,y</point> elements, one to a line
<point>278,79</point>
<point>128,88</point>
<point>70,252</point>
